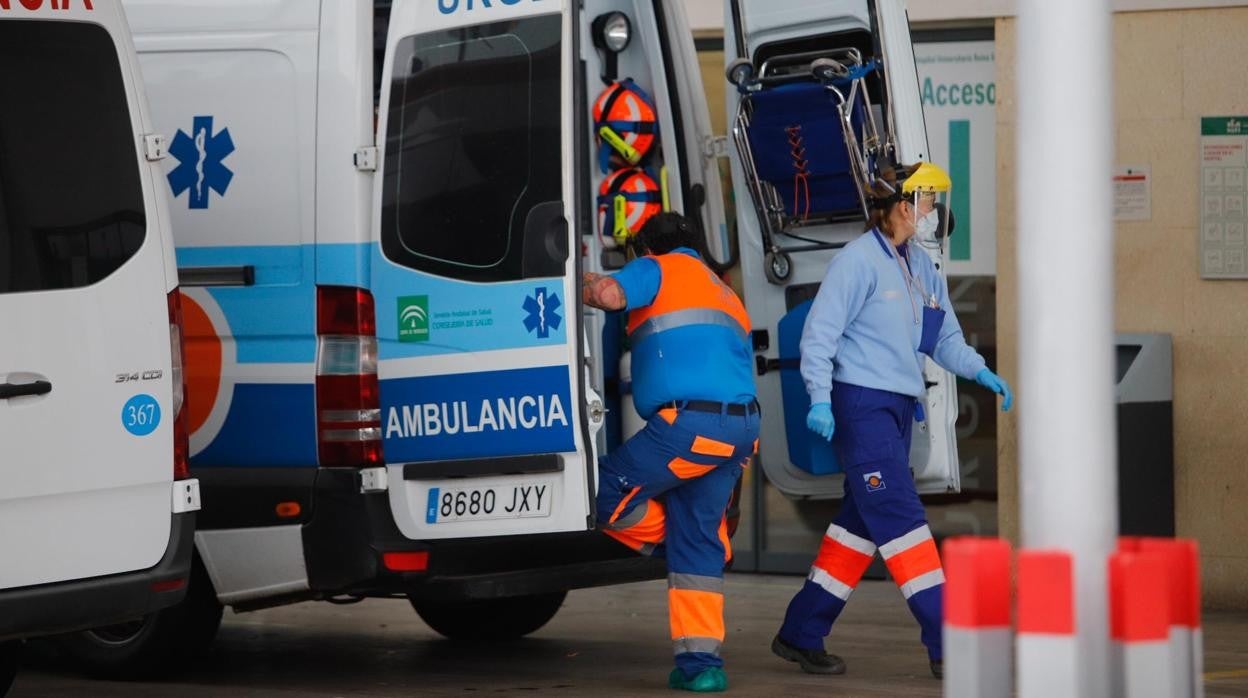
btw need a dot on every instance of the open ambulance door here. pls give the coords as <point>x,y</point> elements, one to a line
<point>649,43</point>
<point>477,296</point>
<point>822,92</point>
<point>700,195</point>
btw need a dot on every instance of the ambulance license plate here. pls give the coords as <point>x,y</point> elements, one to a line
<point>450,504</point>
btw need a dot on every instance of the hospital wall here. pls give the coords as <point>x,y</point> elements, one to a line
<point>1170,69</point>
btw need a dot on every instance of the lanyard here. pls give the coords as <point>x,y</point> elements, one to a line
<point>912,284</point>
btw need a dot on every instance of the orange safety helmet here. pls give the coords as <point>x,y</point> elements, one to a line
<point>626,200</point>
<point>625,123</point>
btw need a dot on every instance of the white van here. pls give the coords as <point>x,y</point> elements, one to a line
<point>382,211</point>
<point>96,507</point>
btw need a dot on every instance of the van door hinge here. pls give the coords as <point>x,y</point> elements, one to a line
<point>366,159</point>
<point>715,147</point>
<point>597,411</point>
<point>373,480</point>
<point>185,496</point>
<point>154,147</point>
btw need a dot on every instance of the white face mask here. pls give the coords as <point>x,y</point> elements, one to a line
<point>926,226</point>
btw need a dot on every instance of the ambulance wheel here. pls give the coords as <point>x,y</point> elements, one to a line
<point>739,71</point>
<point>777,267</point>
<point>9,652</point>
<point>486,620</point>
<point>153,644</point>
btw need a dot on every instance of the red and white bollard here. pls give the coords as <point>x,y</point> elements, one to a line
<point>977,635</point>
<point>1182,561</point>
<point>1048,650</point>
<point>1139,596</point>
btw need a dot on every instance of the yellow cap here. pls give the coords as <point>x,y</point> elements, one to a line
<point>927,178</point>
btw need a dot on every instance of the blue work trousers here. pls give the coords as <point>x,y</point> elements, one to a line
<point>665,491</point>
<point>881,511</point>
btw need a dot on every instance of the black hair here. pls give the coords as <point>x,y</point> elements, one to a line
<point>884,193</point>
<point>665,232</point>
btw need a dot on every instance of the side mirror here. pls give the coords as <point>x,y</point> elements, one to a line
<point>545,243</point>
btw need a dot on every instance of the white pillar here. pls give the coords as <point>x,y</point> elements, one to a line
<point>1068,459</point>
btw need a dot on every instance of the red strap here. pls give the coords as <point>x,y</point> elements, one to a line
<point>801,178</point>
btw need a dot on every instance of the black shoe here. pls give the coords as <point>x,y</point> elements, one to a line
<point>811,661</point>
<point>938,668</point>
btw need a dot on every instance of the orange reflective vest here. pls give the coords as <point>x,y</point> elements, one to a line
<point>689,294</point>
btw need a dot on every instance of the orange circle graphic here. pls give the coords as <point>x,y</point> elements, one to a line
<point>203,362</point>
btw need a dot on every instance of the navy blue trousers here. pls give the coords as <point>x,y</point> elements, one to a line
<point>881,511</point>
<point>665,490</point>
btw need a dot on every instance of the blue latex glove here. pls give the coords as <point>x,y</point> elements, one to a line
<point>819,419</point>
<point>996,384</point>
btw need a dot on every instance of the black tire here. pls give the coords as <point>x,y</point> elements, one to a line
<point>153,644</point>
<point>486,620</point>
<point>9,652</point>
<point>777,267</point>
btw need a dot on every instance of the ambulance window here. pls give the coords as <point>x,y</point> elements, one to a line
<point>472,146</point>
<point>71,204</point>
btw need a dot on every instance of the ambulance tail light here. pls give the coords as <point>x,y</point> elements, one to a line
<point>348,402</point>
<point>181,439</point>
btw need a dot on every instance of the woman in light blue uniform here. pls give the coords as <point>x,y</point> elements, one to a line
<point>882,308</point>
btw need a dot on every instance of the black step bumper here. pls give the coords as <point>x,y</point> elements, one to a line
<point>62,607</point>
<point>347,534</point>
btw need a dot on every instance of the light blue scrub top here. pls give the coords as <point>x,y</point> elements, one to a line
<point>862,327</point>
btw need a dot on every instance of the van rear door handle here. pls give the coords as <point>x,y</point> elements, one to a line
<point>8,390</point>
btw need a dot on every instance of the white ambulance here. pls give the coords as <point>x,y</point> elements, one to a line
<point>96,507</point>
<point>382,211</point>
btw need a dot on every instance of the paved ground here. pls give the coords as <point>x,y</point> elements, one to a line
<point>604,642</point>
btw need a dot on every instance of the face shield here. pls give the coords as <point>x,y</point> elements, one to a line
<point>927,191</point>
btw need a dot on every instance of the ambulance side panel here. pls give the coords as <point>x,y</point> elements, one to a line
<point>234,86</point>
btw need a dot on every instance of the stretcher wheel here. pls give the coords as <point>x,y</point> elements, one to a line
<point>827,70</point>
<point>740,71</point>
<point>777,267</point>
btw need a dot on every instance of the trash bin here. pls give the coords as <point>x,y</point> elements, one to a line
<point>1144,394</point>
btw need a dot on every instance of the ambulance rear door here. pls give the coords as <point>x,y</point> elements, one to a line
<point>781,40</point>
<point>477,296</point>
<point>89,400</point>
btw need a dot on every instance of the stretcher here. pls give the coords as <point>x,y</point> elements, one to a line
<point>806,134</point>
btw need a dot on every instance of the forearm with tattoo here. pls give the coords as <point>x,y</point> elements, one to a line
<point>602,291</point>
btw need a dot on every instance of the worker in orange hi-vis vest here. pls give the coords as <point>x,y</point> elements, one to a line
<point>693,382</point>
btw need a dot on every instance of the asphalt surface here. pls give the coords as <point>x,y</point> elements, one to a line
<point>604,642</point>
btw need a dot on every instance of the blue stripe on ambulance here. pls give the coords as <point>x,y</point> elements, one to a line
<point>269,425</point>
<point>274,321</point>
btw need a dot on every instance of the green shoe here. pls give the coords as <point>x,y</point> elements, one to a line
<point>711,680</point>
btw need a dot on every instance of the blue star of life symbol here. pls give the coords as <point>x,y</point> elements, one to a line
<point>543,312</point>
<point>199,157</point>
